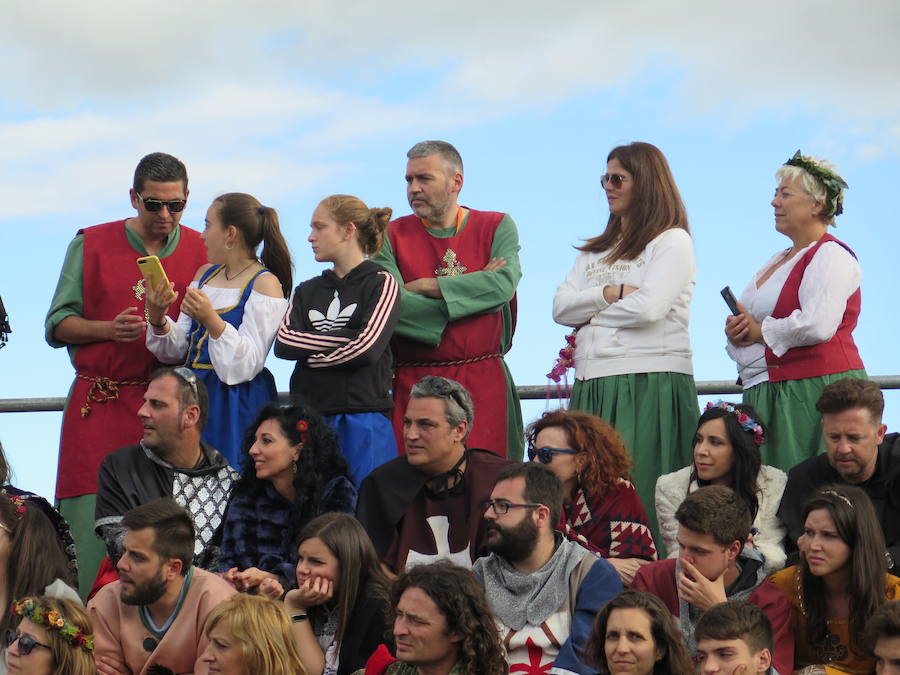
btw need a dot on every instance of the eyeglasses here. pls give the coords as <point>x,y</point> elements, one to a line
<point>545,455</point>
<point>26,642</point>
<point>188,376</point>
<point>154,205</point>
<point>501,506</point>
<point>614,179</point>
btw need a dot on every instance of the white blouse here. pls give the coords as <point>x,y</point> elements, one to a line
<point>831,277</point>
<point>238,354</point>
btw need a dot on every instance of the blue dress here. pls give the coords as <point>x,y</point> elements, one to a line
<point>232,408</point>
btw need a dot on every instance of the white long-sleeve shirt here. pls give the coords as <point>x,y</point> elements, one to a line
<point>647,330</point>
<point>238,354</point>
<point>831,277</point>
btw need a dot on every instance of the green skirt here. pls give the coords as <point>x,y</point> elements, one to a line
<point>788,410</point>
<point>656,416</point>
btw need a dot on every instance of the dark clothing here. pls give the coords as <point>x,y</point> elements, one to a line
<point>364,632</point>
<point>391,509</point>
<point>59,523</point>
<point>257,527</point>
<point>815,472</point>
<point>135,475</point>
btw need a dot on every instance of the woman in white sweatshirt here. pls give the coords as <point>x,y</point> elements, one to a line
<point>628,295</point>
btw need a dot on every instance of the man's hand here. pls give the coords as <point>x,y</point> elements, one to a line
<point>107,665</point>
<point>697,590</point>
<point>128,326</point>
<point>495,264</point>
<point>427,286</point>
<point>627,568</point>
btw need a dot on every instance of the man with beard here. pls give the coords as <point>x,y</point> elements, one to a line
<point>170,461</point>
<point>458,269</point>
<point>715,566</point>
<point>858,452</point>
<point>151,620</point>
<point>543,589</point>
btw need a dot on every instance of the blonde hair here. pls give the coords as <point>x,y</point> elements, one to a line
<point>371,224</point>
<point>68,659</point>
<point>262,628</point>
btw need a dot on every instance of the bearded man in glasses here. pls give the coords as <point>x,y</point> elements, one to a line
<point>97,312</point>
<point>458,269</point>
<point>544,589</point>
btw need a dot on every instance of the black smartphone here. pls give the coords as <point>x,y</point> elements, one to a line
<point>730,300</point>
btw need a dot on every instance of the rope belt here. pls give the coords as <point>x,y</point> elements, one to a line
<point>104,389</point>
<point>438,364</point>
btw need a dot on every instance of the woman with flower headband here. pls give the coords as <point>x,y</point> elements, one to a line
<point>726,452</point>
<point>840,582</point>
<point>229,316</point>
<point>32,561</point>
<point>292,472</point>
<point>53,637</point>
<point>793,334</point>
<point>628,295</point>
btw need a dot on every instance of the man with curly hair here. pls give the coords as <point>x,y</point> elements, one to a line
<point>442,625</point>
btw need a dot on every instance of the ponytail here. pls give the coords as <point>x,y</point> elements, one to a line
<point>275,254</point>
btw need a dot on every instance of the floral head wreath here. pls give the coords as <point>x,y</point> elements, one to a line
<point>302,427</point>
<point>53,620</point>
<point>19,503</point>
<point>833,183</point>
<point>747,423</point>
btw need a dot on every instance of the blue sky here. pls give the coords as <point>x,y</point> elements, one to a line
<point>293,101</point>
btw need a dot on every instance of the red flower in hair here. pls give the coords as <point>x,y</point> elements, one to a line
<point>302,428</point>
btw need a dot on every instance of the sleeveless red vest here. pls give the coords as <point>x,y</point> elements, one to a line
<point>101,414</point>
<point>475,340</point>
<point>838,355</point>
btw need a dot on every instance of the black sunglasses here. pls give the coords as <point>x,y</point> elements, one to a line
<point>545,455</point>
<point>614,179</point>
<point>154,205</point>
<point>26,642</point>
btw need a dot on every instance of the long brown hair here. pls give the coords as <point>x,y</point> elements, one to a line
<point>36,558</point>
<point>258,224</point>
<point>605,457</point>
<point>359,570</point>
<point>656,204</point>
<point>371,224</point>
<point>666,635</point>
<point>857,525</point>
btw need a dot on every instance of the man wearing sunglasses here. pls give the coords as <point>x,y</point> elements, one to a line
<point>458,269</point>
<point>543,588</point>
<point>97,312</point>
<point>170,461</point>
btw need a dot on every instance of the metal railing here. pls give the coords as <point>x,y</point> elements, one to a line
<point>527,392</point>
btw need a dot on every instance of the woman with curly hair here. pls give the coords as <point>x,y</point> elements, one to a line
<point>602,510</point>
<point>292,472</point>
<point>727,452</point>
<point>793,334</point>
<point>840,582</point>
<point>250,635</point>
<point>340,602</point>
<point>634,633</point>
<point>442,624</point>
<point>53,637</point>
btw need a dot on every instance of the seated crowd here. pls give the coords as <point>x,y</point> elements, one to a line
<point>242,536</point>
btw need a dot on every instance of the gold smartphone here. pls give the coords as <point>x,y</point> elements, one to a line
<point>150,267</point>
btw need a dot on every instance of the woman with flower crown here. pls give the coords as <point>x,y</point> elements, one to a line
<point>53,637</point>
<point>841,580</point>
<point>794,332</point>
<point>628,295</point>
<point>292,472</point>
<point>726,452</point>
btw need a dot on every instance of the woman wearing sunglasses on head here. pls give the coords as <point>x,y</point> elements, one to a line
<point>793,334</point>
<point>53,637</point>
<point>229,316</point>
<point>628,295</point>
<point>726,452</point>
<point>602,511</point>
